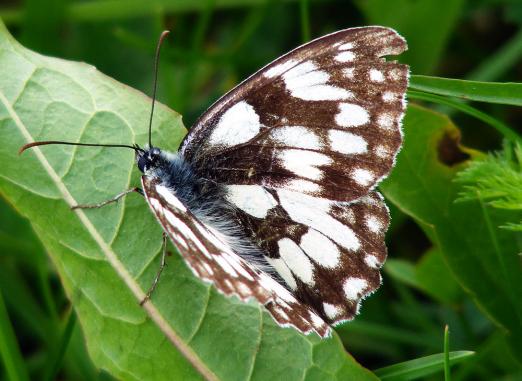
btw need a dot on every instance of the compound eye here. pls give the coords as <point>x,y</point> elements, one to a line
<point>142,162</point>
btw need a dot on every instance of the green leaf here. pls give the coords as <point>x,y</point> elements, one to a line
<point>106,258</point>
<point>421,367</point>
<point>425,275</point>
<point>483,258</point>
<point>491,92</point>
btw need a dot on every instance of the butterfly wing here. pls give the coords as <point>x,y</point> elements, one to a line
<point>212,260</point>
<point>323,119</point>
<point>329,253</point>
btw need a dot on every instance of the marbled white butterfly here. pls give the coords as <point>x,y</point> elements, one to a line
<point>271,194</point>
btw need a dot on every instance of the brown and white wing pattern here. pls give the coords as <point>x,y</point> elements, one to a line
<point>212,260</point>
<point>328,253</point>
<point>299,148</point>
<point>323,119</point>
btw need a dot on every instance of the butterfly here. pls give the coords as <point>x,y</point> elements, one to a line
<point>271,195</point>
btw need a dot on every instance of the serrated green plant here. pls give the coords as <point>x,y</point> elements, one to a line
<point>496,180</point>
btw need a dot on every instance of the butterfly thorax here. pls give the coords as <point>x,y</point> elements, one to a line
<point>200,196</point>
<point>206,199</point>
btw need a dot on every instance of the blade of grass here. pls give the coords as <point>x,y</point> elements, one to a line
<point>25,307</point>
<point>447,373</point>
<point>54,362</point>
<point>421,367</point>
<point>499,62</point>
<point>504,129</point>
<point>491,92</point>
<point>305,20</point>
<point>9,350</point>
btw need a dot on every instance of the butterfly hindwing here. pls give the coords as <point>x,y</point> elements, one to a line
<point>328,253</point>
<point>212,260</point>
<point>323,119</point>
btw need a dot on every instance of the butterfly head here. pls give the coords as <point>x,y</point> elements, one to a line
<point>149,159</point>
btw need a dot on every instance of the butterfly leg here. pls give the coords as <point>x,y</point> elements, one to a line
<point>158,274</point>
<point>114,199</point>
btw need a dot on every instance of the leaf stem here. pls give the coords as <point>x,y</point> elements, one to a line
<point>447,373</point>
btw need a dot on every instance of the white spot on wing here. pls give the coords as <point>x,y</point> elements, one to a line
<point>346,56</point>
<point>313,212</point>
<point>237,125</point>
<point>282,269</point>
<point>382,151</point>
<point>388,96</point>
<point>362,176</point>
<point>306,82</point>
<point>376,75</point>
<point>347,143</point>
<point>354,287</point>
<point>304,163</point>
<point>385,121</point>
<point>284,295</point>
<point>280,69</point>
<point>252,199</point>
<point>316,320</point>
<point>225,265</point>
<point>301,185</point>
<point>372,261</point>
<point>320,248</point>
<point>351,115</point>
<point>296,260</point>
<point>373,224</point>
<point>280,312</point>
<point>296,136</point>
<point>331,310</point>
<point>347,46</point>
<point>185,230</point>
<point>170,198</point>
<point>237,264</point>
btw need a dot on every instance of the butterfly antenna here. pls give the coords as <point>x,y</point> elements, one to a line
<point>135,147</point>
<point>158,48</point>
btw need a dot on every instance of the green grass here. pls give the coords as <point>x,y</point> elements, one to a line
<point>69,312</point>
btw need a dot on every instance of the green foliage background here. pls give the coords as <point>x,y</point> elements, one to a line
<point>454,244</point>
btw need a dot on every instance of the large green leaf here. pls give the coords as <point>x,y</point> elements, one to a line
<point>106,258</point>
<point>483,257</point>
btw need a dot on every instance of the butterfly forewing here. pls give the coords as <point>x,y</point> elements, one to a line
<point>323,119</point>
<point>212,260</point>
